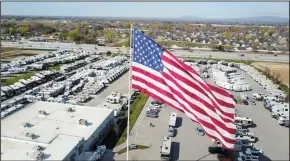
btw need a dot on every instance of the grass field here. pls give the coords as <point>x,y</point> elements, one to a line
<point>136,108</point>
<point>280,68</point>
<point>16,77</point>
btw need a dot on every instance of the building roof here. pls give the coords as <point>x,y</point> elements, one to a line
<point>59,129</point>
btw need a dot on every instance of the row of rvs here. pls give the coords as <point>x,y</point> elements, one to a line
<point>12,106</point>
<point>69,67</point>
<point>26,84</point>
<point>260,78</point>
<point>17,66</point>
<point>230,81</point>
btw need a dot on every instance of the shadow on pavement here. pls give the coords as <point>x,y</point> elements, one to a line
<point>108,156</point>
<point>175,146</point>
<point>178,122</point>
<point>175,132</point>
<point>264,158</point>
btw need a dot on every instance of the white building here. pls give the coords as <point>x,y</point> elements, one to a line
<point>53,131</point>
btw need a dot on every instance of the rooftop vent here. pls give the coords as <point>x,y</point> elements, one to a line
<point>37,155</point>
<point>70,109</point>
<point>83,122</point>
<point>37,148</point>
<point>30,135</point>
<point>26,124</point>
<point>41,112</point>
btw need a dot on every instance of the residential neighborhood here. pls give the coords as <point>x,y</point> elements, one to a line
<point>116,33</point>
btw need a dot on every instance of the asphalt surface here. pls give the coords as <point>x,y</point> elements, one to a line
<point>180,53</point>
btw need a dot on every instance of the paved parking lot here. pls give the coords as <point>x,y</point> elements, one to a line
<point>272,138</point>
<point>188,145</point>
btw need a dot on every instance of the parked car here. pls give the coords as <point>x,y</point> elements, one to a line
<point>151,114</point>
<point>245,102</point>
<point>200,131</point>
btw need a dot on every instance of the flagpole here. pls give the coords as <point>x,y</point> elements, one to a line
<point>129,92</point>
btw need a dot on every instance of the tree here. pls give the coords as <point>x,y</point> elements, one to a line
<point>228,35</point>
<point>12,31</point>
<point>267,71</point>
<point>248,38</point>
<point>73,35</point>
<point>276,77</point>
<point>221,48</point>
<point>271,32</point>
<point>255,45</point>
<point>108,53</point>
<point>109,36</point>
<point>86,30</point>
<point>62,36</point>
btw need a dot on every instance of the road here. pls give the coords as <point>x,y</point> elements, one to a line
<point>179,53</point>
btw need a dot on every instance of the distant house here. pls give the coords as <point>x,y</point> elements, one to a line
<point>101,41</point>
<point>241,48</point>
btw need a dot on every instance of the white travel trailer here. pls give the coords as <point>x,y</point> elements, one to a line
<point>114,97</point>
<point>280,110</point>
<point>246,138</point>
<point>257,96</point>
<point>165,150</point>
<point>282,120</point>
<point>172,119</point>
<point>5,74</point>
<point>244,121</point>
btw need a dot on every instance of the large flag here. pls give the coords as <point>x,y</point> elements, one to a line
<point>165,78</point>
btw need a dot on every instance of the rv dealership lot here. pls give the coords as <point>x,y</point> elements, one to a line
<point>186,145</point>
<point>273,139</point>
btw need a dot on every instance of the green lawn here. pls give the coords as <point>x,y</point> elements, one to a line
<point>123,44</point>
<point>16,77</point>
<point>137,147</point>
<point>57,67</point>
<point>136,108</point>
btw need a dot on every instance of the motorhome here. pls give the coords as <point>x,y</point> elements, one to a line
<point>3,96</point>
<point>243,121</point>
<point>282,120</point>
<point>172,119</point>
<point>5,74</point>
<point>279,110</point>
<point>165,150</point>
<point>114,97</point>
<point>246,138</point>
<point>257,96</point>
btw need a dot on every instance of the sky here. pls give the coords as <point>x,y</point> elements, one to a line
<point>148,9</point>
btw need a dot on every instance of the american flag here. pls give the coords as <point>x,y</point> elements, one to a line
<point>165,78</point>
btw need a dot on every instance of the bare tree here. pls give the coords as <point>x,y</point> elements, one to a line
<point>267,71</point>
<point>276,77</point>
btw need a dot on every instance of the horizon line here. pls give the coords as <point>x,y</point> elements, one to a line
<point>147,17</point>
